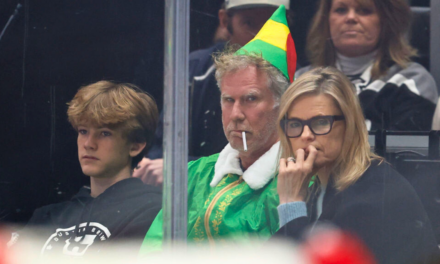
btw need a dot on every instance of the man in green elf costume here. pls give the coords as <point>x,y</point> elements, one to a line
<point>232,196</point>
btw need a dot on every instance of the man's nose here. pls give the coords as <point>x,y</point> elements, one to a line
<point>237,112</point>
<point>307,134</point>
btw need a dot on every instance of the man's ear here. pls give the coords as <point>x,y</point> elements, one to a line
<point>137,148</point>
<point>223,18</point>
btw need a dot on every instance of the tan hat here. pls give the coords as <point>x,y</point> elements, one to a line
<point>255,3</point>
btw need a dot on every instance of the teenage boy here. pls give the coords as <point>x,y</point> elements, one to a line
<point>115,125</point>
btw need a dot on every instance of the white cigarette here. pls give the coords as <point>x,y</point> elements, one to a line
<point>244,141</point>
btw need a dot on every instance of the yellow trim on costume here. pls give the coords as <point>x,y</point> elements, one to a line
<point>274,33</point>
<point>211,207</point>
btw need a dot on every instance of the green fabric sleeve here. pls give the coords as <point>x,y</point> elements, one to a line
<point>153,240</point>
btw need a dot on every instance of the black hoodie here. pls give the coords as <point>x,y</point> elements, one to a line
<point>124,211</point>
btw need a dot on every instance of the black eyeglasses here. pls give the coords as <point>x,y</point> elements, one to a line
<point>319,125</point>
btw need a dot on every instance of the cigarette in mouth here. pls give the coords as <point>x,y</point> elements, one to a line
<point>244,141</point>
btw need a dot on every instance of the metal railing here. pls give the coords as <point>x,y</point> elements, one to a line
<point>175,121</point>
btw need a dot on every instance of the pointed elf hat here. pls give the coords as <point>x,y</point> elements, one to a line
<point>274,42</point>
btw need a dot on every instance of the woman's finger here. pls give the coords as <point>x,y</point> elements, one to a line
<point>282,166</point>
<point>300,157</point>
<point>311,157</point>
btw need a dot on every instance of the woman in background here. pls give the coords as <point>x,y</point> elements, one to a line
<point>366,40</point>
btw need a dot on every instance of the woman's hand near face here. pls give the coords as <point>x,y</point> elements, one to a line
<point>294,177</point>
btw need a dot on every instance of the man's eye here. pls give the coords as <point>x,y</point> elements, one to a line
<point>229,100</point>
<point>251,98</point>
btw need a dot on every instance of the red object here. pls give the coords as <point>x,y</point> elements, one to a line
<point>3,242</point>
<point>291,57</point>
<point>334,246</point>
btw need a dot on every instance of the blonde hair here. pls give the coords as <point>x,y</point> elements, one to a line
<point>228,62</point>
<point>355,154</point>
<point>393,47</point>
<point>116,105</point>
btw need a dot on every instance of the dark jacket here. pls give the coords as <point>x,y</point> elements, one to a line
<point>382,209</point>
<point>123,211</point>
<point>206,136</point>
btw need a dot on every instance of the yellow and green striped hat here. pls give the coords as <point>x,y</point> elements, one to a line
<point>274,42</point>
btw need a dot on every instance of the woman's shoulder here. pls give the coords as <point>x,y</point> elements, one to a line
<point>415,76</point>
<point>411,71</point>
<point>378,171</point>
<point>381,178</point>
<point>381,189</point>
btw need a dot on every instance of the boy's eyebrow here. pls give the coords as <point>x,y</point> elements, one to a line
<point>98,127</point>
<point>105,127</point>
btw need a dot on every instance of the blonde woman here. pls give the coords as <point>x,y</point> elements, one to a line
<point>322,132</point>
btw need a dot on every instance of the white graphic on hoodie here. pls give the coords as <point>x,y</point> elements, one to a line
<point>75,241</point>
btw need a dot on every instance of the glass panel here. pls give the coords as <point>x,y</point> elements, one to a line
<point>50,49</point>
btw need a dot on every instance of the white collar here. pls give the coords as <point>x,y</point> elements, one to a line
<point>256,176</point>
<point>354,65</point>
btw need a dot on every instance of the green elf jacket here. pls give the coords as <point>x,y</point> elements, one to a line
<point>226,204</point>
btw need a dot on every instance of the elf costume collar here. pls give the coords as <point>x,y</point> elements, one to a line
<point>256,176</point>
